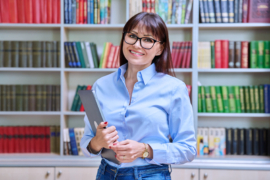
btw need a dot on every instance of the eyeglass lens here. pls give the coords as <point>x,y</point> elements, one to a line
<point>131,38</point>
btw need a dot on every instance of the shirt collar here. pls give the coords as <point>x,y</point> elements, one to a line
<point>144,75</point>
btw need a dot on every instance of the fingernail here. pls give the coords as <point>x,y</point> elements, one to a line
<point>110,147</point>
<point>106,123</point>
<point>114,143</point>
<point>115,155</point>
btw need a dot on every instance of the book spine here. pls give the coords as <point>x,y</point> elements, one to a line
<point>189,7</point>
<point>214,98</point>
<point>244,54</point>
<point>237,62</point>
<point>224,90</point>
<point>247,99</point>
<point>224,11</point>
<point>245,11</point>
<point>76,55</point>
<point>236,10</point>
<point>261,96</point>
<point>199,99</point>
<point>266,99</point>
<point>202,13</point>
<point>266,54</point>
<point>2,51</point>
<point>211,11</point>
<point>15,54</point>
<point>73,142</point>
<point>241,142</point>
<point>240,11</point>
<point>218,11</point>
<point>232,105</point>
<point>256,99</point>
<point>212,54</point>
<point>219,99</point>
<point>231,54</point>
<point>228,141</point>
<point>77,12</point>
<point>260,54</point>
<point>248,141</point>
<point>203,98</point>
<point>209,107</point>
<point>253,54</point>
<point>218,54</point>
<point>206,11</point>
<point>252,98</point>
<point>237,99</point>
<point>255,141</point>
<point>73,11</point>
<point>234,141</point>
<point>231,10</point>
<point>72,62</point>
<point>225,53</point>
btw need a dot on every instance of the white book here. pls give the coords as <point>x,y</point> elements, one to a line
<point>222,141</point>
<point>89,54</point>
<point>217,142</point>
<point>179,12</point>
<point>78,136</point>
<point>211,141</point>
<point>205,141</point>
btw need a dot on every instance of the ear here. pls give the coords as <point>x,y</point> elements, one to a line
<point>160,50</point>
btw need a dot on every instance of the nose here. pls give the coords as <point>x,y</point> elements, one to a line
<point>137,44</point>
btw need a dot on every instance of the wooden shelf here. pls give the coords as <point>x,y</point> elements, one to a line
<point>233,115</point>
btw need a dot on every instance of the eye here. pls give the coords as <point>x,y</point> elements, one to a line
<point>132,36</point>
<point>148,40</point>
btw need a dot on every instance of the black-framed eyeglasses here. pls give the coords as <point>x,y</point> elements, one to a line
<point>146,42</point>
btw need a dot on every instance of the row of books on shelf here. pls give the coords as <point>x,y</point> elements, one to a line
<point>233,141</point>
<point>77,103</point>
<point>234,54</point>
<point>72,138</point>
<point>84,55</point>
<point>37,54</point>
<point>29,97</point>
<point>234,11</point>
<point>30,139</point>
<point>234,99</point>
<point>172,12</point>
<point>30,11</point>
<point>181,54</point>
<point>87,11</point>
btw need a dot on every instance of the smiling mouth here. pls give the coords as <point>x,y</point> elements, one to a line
<point>135,53</point>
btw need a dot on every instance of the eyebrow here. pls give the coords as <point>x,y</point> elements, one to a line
<point>144,35</point>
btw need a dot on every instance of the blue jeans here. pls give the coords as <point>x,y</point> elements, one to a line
<point>149,172</point>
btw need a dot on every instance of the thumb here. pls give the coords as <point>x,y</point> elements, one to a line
<point>102,125</point>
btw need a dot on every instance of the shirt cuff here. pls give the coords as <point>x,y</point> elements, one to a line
<point>158,155</point>
<point>85,149</point>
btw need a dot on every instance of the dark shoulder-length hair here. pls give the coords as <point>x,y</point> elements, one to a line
<point>154,24</point>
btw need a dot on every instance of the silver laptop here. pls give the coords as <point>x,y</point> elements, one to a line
<point>95,117</point>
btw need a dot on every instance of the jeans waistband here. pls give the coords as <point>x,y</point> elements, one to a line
<point>136,170</point>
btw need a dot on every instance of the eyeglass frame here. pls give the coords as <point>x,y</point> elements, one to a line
<point>141,40</point>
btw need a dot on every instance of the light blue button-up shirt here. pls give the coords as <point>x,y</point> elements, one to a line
<point>159,107</point>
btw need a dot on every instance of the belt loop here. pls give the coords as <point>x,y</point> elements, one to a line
<point>170,169</point>
<point>136,175</point>
<point>116,173</point>
<point>104,167</point>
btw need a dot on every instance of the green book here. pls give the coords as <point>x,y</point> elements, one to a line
<point>253,54</point>
<point>209,107</point>
<point>266,54</point>
<point>203,99</point>
<point>256,99</point>
<point>37,49</point>
<point>38,98</point>
<point>214,98</point>
<point>102,56</point>
<point>8,100</point>
<point>232,105</point>
<point>224,91</point>
<point>96,54</point>
<point>212,54</point>
<point>199,99</point>
<point>76,99</point>
<point>219,99</point>
<point>242,99</point>
<point>2,54</point>
<point>7,54</point>
<point>4,98</point>
<point>25,98</point>
<point>237,99</point>
<point>261,96</point>
<point>260,54</point>
<point>15,53</point>
<point>44,98</point>
<point>86,61</point>
<point>80,101</point>
<point>95,61</point>
<point>13,97</point>
<point>252,99</point>
<point>247,99</point>
<point>80,54</point>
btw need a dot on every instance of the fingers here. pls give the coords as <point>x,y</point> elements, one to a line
<point>102,125</point>
<point>110,129</point>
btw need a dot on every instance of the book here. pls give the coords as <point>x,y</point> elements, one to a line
<point>73,144</point>
<point>253,54</point>
<point>266,54</point>
<point>209,107</point>
<point>224,91</point>
<point>244,54</point>
<point>214,98</point>
<point>259,11</point>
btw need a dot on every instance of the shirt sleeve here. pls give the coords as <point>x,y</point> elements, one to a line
<point>181,127</point>
<point>87,136</point>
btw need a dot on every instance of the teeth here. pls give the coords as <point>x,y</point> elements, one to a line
<point>135,52</point>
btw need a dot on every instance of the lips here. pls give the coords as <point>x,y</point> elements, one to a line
<point>136,52</point>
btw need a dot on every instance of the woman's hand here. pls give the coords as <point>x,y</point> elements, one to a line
<point>104,137</point>
<point>128,150</point>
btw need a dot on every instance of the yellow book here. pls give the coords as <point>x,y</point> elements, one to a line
<point>106,54</point>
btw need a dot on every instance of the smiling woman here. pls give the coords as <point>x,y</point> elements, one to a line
<point>144,105</point>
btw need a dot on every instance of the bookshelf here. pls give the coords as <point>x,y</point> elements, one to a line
<point>69,78</point>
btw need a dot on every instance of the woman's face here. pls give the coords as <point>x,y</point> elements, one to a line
<point>136,55</point>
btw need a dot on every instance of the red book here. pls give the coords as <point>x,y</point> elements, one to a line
<point>32,136</point>
<point>27,139</point>
<point>16,141</point>
<point>189,51</point>
<point>185,55</point>
<point>13,13</point>
<point>11,139</point>
<point>5,140</point>
<point>47,139</point>
<point>189,89</point>
<point>55,10</point>
<point>245,11</point>
<point>110,57</point>
<point>28,5</point>
<point>178,56</point>
<point>43,11</point>
<point>177,53</point>
<point>259,11</point>
<point>42,138</point>
<point>174,49</point>
<point>116,58</point>
<point>77,12</point>
<point>152,6</point>
<point>217,53</point>
<point>21,11</point>
<point>84,11</point>
<point>59,11</point>
<point>36,11</point>
<point>81,11</point>
<point>89,87</point>
<point>225,53</point>
<point>49,11</point>
<point>148,6</point>
<point>1,139</point>
<point>244,54</point>
<point>4,9</point>
<point>144,6</point>
<point>22,139</point>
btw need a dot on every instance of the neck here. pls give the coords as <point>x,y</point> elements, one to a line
<point>131,73</point>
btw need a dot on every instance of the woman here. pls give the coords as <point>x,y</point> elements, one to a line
<point>143,105</point>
